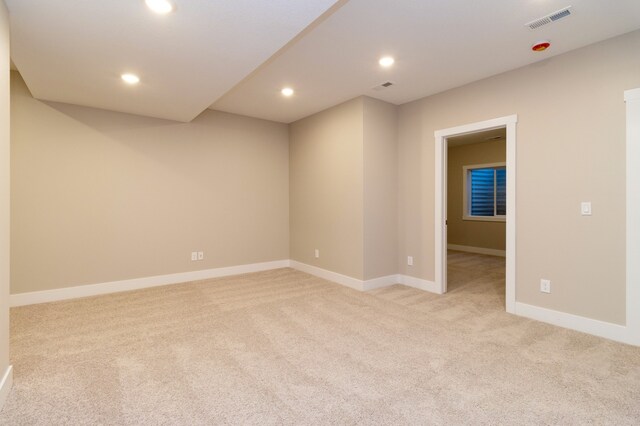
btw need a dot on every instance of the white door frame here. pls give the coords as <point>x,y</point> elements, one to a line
<point>632,99</point>
<point>508,122</point>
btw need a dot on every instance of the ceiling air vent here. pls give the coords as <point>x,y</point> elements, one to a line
<point>552,17</point>
<point>383,86</point>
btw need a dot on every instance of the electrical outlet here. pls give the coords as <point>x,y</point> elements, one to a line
<point>410,260</point>
<point>317,253</point>
<point>545,286</point>
<point>194,255</point>
<point>200,255</point>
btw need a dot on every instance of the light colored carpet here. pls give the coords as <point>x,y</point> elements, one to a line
<point>283,347</point>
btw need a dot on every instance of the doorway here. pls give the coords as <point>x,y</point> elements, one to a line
<point>442,141</point>
<point>476,218</point>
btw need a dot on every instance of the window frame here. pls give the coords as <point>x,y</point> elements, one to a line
<point>466,193</point>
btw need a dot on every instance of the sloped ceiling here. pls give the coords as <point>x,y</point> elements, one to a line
<point>74,51</point>
<point>235,56</point>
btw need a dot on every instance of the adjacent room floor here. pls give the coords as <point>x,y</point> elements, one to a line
<point>284,347</point>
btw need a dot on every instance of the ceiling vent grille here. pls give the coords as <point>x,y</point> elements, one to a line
<point>383,86</point>
<point>552,17</point>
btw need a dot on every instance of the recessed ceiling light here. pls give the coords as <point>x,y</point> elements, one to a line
<point>130,78</point>
<point>386,61</point>
<point>287,91</point>
<point>159,6</point>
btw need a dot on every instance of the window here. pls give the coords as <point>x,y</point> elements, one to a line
<point>485,192</point>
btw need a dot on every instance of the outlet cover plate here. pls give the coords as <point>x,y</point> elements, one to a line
<point>545,286</point>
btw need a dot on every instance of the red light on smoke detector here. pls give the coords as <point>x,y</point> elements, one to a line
<point>541,46</point>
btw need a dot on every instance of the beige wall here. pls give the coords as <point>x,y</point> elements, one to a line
<point>472,233</point>
<point>380,188</point>
<point>99,196</point>
<point>4,190</point>
<point>570,148</point>
<point>343,189</point>
<point>415,209</point>
<point>326,189</point>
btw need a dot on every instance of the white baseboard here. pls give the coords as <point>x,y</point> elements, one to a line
<point>344,280</point>
<point>479,250</point>
<point>22,299</point>
<point>367,285</point>
<point>67,293</point>
<point>381,282</point>
<point>608,330</point>
<point>419,283</point>
<point>5,385</point>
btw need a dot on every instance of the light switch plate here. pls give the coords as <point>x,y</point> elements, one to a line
<point>585,208</point>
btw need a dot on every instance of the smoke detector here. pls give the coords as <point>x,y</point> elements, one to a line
<point>541,46</point>
<point>552,17</point>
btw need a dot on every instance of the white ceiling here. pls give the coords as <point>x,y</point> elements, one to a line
<point>437,44</point>
<point>74,51</point>
<point>237,55</point>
